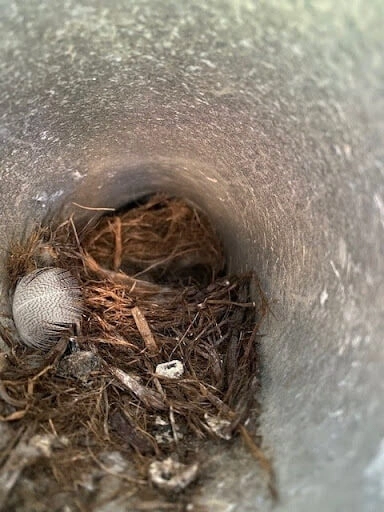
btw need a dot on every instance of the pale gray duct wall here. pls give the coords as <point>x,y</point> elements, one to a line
<point>270,116</point>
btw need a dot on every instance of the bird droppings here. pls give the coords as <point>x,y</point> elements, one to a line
<point>163,432</point>
<point>163,361</point>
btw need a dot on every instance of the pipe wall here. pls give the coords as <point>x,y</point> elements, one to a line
<point>270,116</point>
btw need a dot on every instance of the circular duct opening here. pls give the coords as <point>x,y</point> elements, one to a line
<point>237,215</point>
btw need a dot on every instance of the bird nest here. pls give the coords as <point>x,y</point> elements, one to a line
<point>164,361</point>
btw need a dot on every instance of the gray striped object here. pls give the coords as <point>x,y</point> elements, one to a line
<point>46,302</point>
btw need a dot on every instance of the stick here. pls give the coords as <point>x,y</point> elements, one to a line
<point>144,329</point>
<point>93,208</point>
<point>150,398</point>
<point>124,279</point>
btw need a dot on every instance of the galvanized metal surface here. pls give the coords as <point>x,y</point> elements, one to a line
<point>268,115</point>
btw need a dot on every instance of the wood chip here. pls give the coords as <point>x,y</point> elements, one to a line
<point>144,329</point>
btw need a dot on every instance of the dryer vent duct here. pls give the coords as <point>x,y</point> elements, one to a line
<point>268,116</point>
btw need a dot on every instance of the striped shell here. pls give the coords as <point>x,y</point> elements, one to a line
<point>46,302</point>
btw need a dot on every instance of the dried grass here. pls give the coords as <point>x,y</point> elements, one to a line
<point>155,290</point>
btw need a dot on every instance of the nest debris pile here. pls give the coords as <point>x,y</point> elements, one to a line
<point>165,358</point>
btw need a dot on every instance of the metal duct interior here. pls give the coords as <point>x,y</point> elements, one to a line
<point>269,116</point>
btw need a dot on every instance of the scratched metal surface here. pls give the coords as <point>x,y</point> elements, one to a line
<point>268,115</point>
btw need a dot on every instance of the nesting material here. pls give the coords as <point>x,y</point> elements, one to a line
<point>168,341</point>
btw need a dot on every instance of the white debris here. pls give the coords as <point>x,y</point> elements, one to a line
<point>173,369</point>
<point>163,431</point>
<point>171,475</point>
<point>219,426</point>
